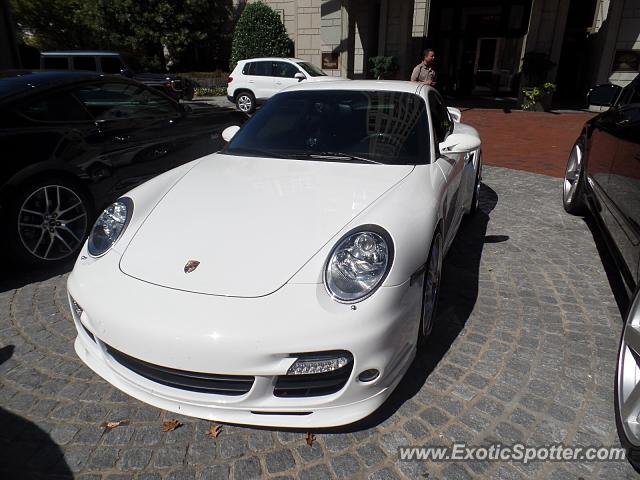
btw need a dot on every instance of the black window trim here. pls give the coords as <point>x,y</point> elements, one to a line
<point>43,95</point>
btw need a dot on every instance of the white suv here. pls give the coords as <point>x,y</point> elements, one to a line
<point>256,80</point>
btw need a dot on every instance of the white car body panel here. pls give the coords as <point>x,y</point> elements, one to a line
<point>231,201</point>
<point>211,210</point>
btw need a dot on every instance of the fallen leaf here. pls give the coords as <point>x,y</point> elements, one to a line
<point>214,431</point>
<point>310,439</point>
<point>111,425</point>
<point>170,425</point>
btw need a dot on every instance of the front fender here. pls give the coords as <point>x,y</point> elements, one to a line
<point>409,212</point>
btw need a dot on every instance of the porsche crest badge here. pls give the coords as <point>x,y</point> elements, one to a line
<point>191,265</point>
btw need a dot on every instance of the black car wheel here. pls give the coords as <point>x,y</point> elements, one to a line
<point>431,289</point>
<point>573,186</point>
<point>627,385</point>
<point>49,221</point>
<point>246,102</point>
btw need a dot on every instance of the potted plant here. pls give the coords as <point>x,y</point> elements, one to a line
<point>383,67</point>
<point>536,92</point>
<point>538,99</point>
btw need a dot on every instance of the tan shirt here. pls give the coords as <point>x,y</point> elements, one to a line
<point>421,73</point>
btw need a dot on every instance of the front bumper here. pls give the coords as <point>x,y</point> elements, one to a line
<point>257,337</point>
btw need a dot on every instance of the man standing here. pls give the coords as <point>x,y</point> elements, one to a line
<point>424,72</point>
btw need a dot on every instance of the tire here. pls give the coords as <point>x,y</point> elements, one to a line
<point>48,222</point>
<point>573,186</point>
<point>246,102</point>
<point>627,373</point>
<point>475,200</point>
<point>430,289</point>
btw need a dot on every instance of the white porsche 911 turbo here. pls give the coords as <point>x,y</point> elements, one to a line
<point>288,279</point>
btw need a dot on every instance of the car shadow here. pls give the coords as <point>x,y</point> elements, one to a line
<point>27,451</point>
<point>13,276</point>
<point>458,294</point>
<point>616,282</point>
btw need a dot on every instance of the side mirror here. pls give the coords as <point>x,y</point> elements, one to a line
<point>229,132</point>
<point>300,76</point>
<point>125,72</point>
<point>460,143</point>
<point>603,95</point>
<point>455,113</point>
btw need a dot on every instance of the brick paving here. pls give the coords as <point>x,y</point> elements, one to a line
<point>524,350</point>
<point>536,142</point>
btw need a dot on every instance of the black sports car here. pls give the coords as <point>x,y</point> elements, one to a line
<point>72,142</point>
<point>603,176</point>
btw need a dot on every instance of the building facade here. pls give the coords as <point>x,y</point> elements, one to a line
<point>480,44</point>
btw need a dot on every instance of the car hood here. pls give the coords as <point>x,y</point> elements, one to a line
<point>250,222</point>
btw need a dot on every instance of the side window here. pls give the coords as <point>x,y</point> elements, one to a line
<point>59,107</point>
<point>440,117</point>
<point>121,101</point>
<point>56,63</point>
<point>283,69</point>
<point>84,63</point>
<point>248,69</point>
<point>111,64</point>
<point>262,69</point>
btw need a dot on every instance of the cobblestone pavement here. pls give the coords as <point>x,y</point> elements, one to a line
<point>524,351</point>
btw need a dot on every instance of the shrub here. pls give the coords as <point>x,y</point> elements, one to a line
<point>209,91</point>
<point>534,95</point>
<point>383,67</point>
<point>259,33</point>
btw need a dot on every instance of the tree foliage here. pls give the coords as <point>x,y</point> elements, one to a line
<point>259,33</point>
<point>143,27</point>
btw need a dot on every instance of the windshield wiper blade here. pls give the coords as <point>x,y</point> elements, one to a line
<point>253,152</point>
<point>340,156</point>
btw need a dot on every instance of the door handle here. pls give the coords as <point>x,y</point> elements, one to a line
<point>624,123</point>
<point>122,138</point>
<point>251,81</point>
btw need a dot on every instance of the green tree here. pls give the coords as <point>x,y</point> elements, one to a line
<point>142,27</point>
<point>259,33</point>
<point>53,24</point>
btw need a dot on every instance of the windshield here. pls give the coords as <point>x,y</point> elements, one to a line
<point>312,70</point>
<point>338,125</point>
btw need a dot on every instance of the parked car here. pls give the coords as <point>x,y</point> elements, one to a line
<point>255,81</point>
<point>603,178</point>
<point>72,142</point>
<point>288,279</point>
<point>178,88</point>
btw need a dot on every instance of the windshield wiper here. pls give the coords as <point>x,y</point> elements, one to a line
<point>337,156</point>
<point>252,152</point>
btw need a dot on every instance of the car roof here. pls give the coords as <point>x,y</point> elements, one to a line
<point>71,53</point>
<point>271,58</point>
<point>367,85</point>
<point>16,81</point>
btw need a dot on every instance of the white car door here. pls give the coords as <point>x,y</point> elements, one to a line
<point>260,79</point>
<point>283,75</point>
<point>452,166</point>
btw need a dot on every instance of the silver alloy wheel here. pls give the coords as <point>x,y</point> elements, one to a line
<point>572,176</point>
<point>245,103</point>
<point>52,222</point>
<point>628,381</point>
<point>432,284</point>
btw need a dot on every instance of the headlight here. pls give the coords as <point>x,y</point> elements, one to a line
<point>358,264</point>
<point>109,226</point>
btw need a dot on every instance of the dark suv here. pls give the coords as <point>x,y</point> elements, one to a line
<point>176,87</point>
